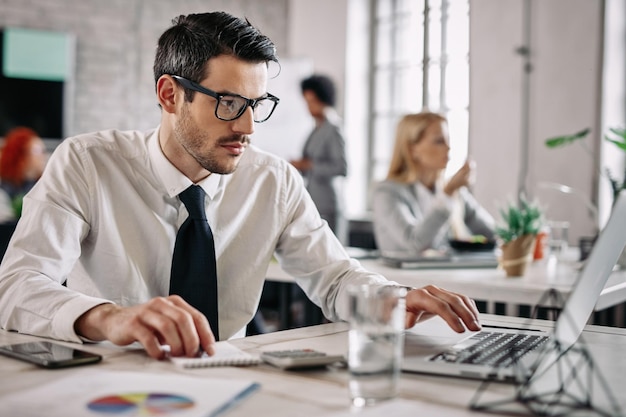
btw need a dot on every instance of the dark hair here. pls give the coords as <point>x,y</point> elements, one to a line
<point>186,47</point>
<point>322,86</point>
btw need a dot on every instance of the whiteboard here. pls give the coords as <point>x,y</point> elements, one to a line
<point>286,131</point>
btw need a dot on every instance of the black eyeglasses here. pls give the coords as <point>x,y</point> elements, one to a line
<point>231,106</point>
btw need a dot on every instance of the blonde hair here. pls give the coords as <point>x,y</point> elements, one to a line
<point>410,130</point>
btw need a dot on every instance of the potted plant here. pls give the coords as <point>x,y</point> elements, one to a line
<point>518,231</point>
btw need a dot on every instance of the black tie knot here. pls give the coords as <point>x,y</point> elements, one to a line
<point>193,199</point>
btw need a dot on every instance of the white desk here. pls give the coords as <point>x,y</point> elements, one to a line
<point>321,393</point>
<point>492,285</point>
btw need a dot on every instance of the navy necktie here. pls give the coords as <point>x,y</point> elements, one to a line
<point>194,275</point>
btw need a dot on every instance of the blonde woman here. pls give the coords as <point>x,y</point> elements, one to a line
<point>415,208</point>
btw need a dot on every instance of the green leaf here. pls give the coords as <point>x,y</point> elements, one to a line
<point>621,134</point>
<point>567,139</point>
<point>518,220</point>
<point>16,204</point>
<point>618,132</point>
<point>621,145</point>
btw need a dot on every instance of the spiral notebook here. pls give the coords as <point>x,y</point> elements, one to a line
<point>225,355</point>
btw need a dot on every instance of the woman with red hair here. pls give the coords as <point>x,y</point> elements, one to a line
<point>22,161</point>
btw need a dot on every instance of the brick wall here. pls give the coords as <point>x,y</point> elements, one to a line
<point>115,44</point>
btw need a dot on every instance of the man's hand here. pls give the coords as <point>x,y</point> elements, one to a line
<point>457,310</point>
<point>160,321</point>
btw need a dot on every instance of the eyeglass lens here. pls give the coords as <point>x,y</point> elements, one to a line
<point>231,107</point>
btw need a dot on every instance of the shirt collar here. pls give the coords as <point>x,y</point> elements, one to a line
<point>175,181</point>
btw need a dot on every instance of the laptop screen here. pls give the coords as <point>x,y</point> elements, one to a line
<point>593,276</point>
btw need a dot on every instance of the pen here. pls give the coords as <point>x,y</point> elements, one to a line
<point>235,400</point>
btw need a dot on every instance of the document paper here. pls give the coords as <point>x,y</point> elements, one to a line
<point>101,393</point>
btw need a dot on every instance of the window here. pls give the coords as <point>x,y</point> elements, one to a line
<point>418,58</point>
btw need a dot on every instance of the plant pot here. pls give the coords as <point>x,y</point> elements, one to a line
<point>517,254</point>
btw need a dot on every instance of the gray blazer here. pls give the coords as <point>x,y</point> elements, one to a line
<point>400,224</point>
<point>325,147</point>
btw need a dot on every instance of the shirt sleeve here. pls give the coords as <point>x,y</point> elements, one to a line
<point>477,218</point>
<point>310,252</point>
<point>400,224</point>
<point>44,249</point>
<point>331,160</point>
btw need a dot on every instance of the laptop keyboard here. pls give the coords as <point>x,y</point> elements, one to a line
<point>494,349</point>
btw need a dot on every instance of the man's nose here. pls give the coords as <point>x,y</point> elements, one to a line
<point>244,124</point>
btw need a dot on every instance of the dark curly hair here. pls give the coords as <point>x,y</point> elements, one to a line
<point>322,86</point>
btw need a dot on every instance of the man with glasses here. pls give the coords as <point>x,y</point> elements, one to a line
<point>231,106</point>
<point>104,217</point>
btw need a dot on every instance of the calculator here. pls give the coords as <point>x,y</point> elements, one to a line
<point>300,358</point>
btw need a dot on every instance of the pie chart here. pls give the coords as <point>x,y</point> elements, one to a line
<point>140,404</point>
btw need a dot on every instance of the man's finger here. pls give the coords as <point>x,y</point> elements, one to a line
<point>456,310</point>
<point>201,328</point>
<point>462,306</point>
<point>164,324</point>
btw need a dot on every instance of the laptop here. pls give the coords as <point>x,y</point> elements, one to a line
<point>501,359</point>
<point>441,260</point>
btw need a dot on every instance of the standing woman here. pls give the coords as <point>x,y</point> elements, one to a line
<point>323,159</point>
<point>415,208</point>
<point>22,162</point>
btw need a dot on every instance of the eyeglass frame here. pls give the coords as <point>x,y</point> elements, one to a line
<point>250,102</point>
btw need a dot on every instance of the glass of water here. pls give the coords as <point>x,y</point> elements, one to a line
<point>375,342</point>
<point>558,238</point>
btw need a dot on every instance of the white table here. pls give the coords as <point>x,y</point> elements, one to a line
<point>321,393</point>
<point>492,285</point>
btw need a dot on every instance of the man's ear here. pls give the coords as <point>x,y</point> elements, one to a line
<point>167,90</point>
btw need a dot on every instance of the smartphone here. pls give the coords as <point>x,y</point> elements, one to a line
<point>49,355</point>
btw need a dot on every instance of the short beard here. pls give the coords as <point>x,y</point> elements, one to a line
<point>192,140</point>
<point>211,164</point>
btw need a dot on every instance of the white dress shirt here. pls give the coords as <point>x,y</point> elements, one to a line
<point>104,217</point>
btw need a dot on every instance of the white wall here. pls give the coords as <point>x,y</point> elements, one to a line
<point>495,100</point>
<point>317,31</point>
<point>565,92</point>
